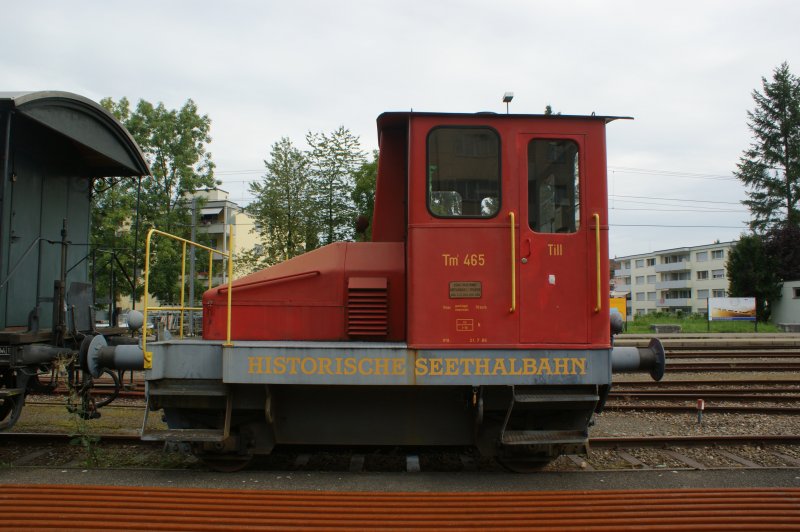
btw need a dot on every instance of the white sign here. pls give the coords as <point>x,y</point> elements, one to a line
<point>731,309</point>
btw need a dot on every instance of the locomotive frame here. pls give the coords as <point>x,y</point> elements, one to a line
<point>475,316</point>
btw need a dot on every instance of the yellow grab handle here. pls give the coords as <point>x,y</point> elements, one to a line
<point>597,249</point>
<point>230,286</point>
<point>513,265</point>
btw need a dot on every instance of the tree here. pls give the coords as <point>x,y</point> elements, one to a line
<point>364,193</point>
<point>308,198</point>
<point>113,199</point>
<point>333,160</point>
<point>752,274</point>
<point>174,144</point>
<point>112,237</point>
<point>283,208</point>
<point>770,168</point>
<point>781,244</point>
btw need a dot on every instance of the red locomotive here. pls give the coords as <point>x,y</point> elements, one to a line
<point>490,231</point>
<point>478,315</point>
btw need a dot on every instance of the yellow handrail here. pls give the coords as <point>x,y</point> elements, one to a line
<point>183,276</point>
<point>597,249</point>
<point>148,355</point>
<point>513,265</point>
<point>230,289</point>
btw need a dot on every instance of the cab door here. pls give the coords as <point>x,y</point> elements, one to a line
<point>554,249</point>
<point>459,276</point>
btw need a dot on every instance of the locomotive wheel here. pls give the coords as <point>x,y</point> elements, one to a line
<point>11,405</point>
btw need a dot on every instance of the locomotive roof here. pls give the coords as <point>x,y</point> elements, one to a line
<point>392,118</point>
<point>99,139</point>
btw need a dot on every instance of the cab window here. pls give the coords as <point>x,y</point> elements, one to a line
<point>463,172</point>
<point>553,186</point>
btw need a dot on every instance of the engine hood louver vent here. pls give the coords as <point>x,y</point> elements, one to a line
<point>367,307</point>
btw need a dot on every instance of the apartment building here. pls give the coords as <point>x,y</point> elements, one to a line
<point>219,218</point>
<point>673,279</point>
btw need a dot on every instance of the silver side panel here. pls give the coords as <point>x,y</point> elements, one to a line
<point>361,363</point>
<point>185,359</point>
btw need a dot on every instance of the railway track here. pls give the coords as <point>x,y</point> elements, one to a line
<point>725,409</point>
<point>154,509</point>
<point>699,452</point>
<point>605,441</point>
<point>99,392</point>
<point>743,383</point>
<point>714,353</point>
<point>780,393</point>
<point>614,403</point>
<point>702,367</point>
<point>779,400</point>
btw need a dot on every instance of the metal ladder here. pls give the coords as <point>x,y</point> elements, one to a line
<point>526,399</point>
<point>190,435</point>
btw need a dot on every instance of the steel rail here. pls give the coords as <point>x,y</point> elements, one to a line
<point>731,366</point>
<point>60,437</point>
<point>154,509</point>
<point>733,354</point>
<point>706,382</point>
<point>111,406</point>
<point>732,341</point>
<point>774,410</point>
<point>692,441</point>
<point>128,394</point>
<point>602,441</point>
<point>732,390</point>
<point>674,395</point>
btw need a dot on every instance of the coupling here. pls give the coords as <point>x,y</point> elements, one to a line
<point>650,359</point>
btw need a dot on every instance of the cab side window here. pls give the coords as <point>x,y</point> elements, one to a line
<point>553,186</point>
<point>463,172</point>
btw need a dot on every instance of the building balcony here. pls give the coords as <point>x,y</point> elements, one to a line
<point>625,272</point>
<point>213,229</point>
<point>667,285</point>
<point>673,267</point>
<point>622,288</point>
<point>672,303</point>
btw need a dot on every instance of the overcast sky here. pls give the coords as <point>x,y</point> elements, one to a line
<point>263,70</point>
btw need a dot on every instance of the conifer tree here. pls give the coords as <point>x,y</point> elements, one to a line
<point>770,168</point>
<point>364,193</point>
<point>333,161</point>
<point>752,274</point>
<point>282,206</point>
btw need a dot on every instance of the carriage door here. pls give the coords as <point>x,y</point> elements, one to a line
<point>553,256</point>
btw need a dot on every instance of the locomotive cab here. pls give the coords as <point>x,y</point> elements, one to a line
<point>507,234</point>
<point>478,315</point>
<point>489,231</point>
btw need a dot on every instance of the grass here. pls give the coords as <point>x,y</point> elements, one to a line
<point>695,323</point>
